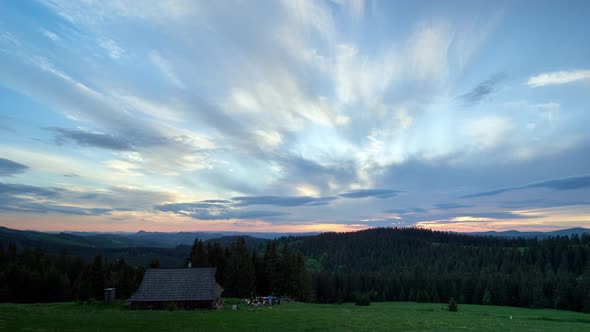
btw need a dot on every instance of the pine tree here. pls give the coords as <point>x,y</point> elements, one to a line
<point>584,290</point>
<point>11,251</point>
<point>217,258</point>
<point>239,274</point>
<point>97,276</point>
<point>303,290</point>
<point>198,255</point>
<point>1,252</point>
<point>287,276</point>
<point>272,267</point>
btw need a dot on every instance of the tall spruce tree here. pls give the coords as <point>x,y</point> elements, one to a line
<point>198,255</point>
<point>239,273</point>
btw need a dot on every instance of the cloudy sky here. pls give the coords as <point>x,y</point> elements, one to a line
<point>294,115</point>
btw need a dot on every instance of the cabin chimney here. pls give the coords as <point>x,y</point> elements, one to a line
<point>189,264</point>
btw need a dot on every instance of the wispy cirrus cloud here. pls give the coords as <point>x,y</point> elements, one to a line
<point>128,198</point>
<point>489,131</point>
<point>51,35</point>
<point>165,68</point>
<point>524,105</point>
<point>112,48</point>
<point>558,77</point>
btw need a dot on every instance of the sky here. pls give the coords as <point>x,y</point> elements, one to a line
<point>294,116</point>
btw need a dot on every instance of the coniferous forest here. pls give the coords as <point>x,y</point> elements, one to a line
<point>419,265</point>
<point>383,264</point>
<point>271,269</point>
<point>29,275</point>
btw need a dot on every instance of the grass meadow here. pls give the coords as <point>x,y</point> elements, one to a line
<point>385,316</point>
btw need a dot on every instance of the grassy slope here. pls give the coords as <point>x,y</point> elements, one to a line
<point>392,316</point>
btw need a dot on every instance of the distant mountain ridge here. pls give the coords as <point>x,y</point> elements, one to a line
<point>540,235</point>
<point>171,239</point>
<point>127,240</point>
<point>118,240</point>
<point>137,248</point>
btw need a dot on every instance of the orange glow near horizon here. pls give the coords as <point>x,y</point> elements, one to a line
<point>547,219</point>
<point>161,223</point>
<point>122,221</point>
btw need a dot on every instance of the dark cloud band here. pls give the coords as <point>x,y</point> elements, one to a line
<point>364,193</point>
<point>85,138</point>
<point>215,211</point>
<point>10,168</point>
<point>483,89</point>
<point>570,183</point>
<point>282,200</point>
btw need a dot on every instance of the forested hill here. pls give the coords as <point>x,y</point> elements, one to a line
<point>413,264</point>
<point>390,248</point>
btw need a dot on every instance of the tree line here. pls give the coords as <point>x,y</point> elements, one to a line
<point>386,264</point>
<point>28,275</point>
<point>411,264</point>
<point>272,270</point>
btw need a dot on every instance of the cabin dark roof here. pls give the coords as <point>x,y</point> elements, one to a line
<point>187,284</point>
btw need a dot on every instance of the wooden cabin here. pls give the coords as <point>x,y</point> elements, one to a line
<point>187,288</point>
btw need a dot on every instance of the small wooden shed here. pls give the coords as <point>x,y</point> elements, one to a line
<point>187,288</point>
<point>109,295</point>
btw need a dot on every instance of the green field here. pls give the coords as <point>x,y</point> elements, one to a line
<point>390,316</point>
